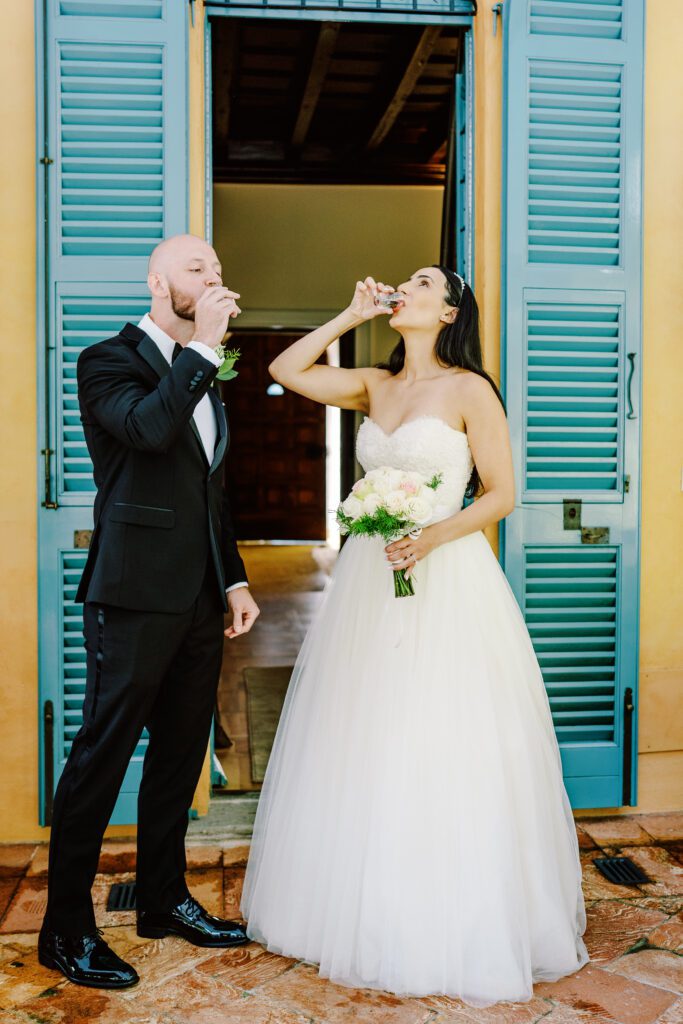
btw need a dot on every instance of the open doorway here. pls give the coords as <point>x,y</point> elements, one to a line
<point>338,149</point>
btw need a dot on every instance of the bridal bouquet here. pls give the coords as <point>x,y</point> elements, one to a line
<point>389,503</point>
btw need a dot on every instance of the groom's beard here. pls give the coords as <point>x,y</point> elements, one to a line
<point>182,305</point>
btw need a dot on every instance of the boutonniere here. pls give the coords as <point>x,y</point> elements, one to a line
<point>228,357</point>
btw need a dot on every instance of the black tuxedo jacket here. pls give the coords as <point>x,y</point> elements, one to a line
<point>160,510</point>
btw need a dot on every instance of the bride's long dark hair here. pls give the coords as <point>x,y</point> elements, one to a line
<point>458,344</point>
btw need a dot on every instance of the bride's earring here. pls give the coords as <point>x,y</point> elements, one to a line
<point>449,318</point>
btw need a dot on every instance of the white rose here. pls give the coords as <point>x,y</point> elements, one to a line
<point>396,503</point>
<point>419,510</point>
<point>352,507</point>
<point>371,504</point>
<point>362,488</point>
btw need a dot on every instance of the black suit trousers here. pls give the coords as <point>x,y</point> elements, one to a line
<point>144,669</point>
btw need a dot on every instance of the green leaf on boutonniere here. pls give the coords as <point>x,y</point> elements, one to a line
<point>229,357</point>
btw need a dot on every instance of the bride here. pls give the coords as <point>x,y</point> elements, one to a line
<point>414,833</point>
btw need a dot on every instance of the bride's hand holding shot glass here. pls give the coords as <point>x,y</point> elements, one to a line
<point>373,298</point>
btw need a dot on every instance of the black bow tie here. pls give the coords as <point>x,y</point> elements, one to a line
<point>177,349</point>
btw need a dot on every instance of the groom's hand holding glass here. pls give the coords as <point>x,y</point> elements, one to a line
<point>214,308</point>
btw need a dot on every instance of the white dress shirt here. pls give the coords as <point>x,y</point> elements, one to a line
<point>204,415</point>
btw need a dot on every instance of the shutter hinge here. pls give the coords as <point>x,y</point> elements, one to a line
<point>46,160</point>
<point>627,483</point>
<point>497,9</point>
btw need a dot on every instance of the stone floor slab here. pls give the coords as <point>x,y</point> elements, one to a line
<point>27,909</point>
<point>233,881</point>
<point>664,870</point>
<point>617,831</point>
<point>613,926</point>
<point>246,967</point>
<point>15,858</point>
<point>207,887</point>
<point>674,1015</point>
<point>669,935</point>
<point>653,967</point>
<point>596,990</point>
<point>454,1011</point>
<point>663,827</point>
<point>303,989</point>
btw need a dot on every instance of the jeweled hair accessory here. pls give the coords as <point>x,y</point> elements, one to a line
<point>461,280</point>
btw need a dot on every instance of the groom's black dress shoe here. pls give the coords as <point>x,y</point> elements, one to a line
<point>85,959</point>
<point>191,922</point>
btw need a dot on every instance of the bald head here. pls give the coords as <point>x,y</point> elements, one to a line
<point>179,249</point>
<point>181,268</point>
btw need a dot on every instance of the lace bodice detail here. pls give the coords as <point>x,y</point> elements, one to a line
<point>427,445</point>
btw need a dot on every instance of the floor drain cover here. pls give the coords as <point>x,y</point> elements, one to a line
<point>621,870</point>
<point>121,896</point>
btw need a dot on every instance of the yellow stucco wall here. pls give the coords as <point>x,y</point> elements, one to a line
<point>660,743</point>
<point>660,740</point>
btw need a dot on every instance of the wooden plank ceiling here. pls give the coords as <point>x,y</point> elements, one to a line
<point>328,102</point>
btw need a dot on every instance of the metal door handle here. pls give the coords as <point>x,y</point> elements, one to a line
<point>631,356</point>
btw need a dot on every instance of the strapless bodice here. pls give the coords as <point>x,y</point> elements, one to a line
<point>426,445</point>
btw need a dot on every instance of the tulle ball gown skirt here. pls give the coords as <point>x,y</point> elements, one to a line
<point>414,833</point>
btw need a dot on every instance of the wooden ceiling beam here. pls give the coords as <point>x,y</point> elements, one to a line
<point>423,51</point>
<point>324,48</point>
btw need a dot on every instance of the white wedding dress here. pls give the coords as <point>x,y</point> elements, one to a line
<point>414,833</point>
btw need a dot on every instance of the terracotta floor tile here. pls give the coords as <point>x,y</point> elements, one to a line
<point>454,1011</point>
<point>123,939</point>
<point>663,827</point>
<point>160,960</point>
<point>676,850</point>
<point>76,1004</point>
<point>584,840</point>
<point>8,887</point>
<point>201,856</point>
<point>561,1014</point>
<point>301,989</point>
<point>15,858</point>
<point>117,856</point>
<point>236,854</point>
<point>596,990</point>
<point>674,1015</point>
<point>207,887</point>
<point>613,927</point>
<point>233,882</point>
<point>246,967</point>
<point>622,830</point>
<point>38,865</point>
<point>653,967</point>
<point>666,903</point>
<point>665,871</point>
<point>669,935</point>
<point>23,978</point>
<point>27,909</point>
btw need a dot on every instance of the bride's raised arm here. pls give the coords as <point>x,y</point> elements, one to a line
<point>297,369</point>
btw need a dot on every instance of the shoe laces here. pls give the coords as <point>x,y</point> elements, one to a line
<point>194,908</point>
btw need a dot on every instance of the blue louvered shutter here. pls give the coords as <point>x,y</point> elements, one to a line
<point>572,343</point>
<point>113,128</point>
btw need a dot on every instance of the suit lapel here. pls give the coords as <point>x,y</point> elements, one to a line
<point>222,436</point>
<point>153,357</point>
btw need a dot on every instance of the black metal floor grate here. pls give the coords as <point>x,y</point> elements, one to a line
<point>620,870</point>
<point>121,896</point>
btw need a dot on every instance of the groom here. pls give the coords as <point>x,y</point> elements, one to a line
<point>162,569</point>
